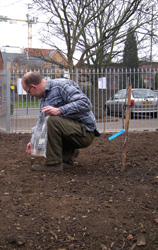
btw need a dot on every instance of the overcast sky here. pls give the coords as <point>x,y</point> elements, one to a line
<point>15,33</point>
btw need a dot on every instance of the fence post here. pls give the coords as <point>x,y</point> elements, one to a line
<point>8,100</point>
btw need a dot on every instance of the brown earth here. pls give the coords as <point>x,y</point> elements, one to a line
<point>95,206</point>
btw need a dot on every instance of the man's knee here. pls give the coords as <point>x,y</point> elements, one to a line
<point>53,121</point>
<point>57,124</point>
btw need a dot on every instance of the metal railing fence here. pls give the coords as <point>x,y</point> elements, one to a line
<point>19,112</point>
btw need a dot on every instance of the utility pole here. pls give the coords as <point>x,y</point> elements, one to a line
<point>151,37</point>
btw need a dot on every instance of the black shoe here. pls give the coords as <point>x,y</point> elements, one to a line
<point>46,168</point>
<point>70,163</point>
<point>75,154</point>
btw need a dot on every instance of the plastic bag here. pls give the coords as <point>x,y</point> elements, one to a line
<point>39,137</point>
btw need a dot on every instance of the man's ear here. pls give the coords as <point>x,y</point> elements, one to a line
<point>34,86</point>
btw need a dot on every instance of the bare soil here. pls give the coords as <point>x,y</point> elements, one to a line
<point>95,206</point>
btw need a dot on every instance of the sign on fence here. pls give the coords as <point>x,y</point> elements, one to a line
<point>102,83</point>
<point>20,90</point>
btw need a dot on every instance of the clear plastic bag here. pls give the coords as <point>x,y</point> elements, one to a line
<point>39,138</point>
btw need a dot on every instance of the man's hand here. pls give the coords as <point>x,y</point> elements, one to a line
<point>28,150</point>
<point>51,110</point>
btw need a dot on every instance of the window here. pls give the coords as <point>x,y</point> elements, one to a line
<point>61,65</point>
<point>53,66</point>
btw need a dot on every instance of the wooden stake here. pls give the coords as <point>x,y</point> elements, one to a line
<point>127,125</point>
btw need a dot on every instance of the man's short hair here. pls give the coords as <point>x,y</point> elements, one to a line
<point>32,78</point>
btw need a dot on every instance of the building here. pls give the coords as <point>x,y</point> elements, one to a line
<point>1,61</point>
<point>148,71</point>
<point>34,59</point>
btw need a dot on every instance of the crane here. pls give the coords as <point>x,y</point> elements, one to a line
<point>29,21</point>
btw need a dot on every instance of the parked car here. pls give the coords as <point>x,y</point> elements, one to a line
<point>143,101</point>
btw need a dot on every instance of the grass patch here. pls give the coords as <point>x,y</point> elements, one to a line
<point>27,104</point>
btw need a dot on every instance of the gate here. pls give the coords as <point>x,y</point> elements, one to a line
<point>5,100</point>
<point>19,112</point>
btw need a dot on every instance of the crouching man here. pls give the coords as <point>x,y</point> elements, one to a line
<point>71,124</point>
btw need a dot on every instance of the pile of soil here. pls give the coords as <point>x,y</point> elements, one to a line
<point>95,206</point>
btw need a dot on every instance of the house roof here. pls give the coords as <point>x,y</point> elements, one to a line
<point>32,57</point>
<point>14,58</point>
<point>34,52</point>
<point>21,59</point>
<point>52,52</point>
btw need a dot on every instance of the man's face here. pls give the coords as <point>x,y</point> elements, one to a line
<point>33,90</point>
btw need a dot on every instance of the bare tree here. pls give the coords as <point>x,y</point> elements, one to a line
<point>144,23</point>
<point>89,27</point>
<point>147,32</point>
